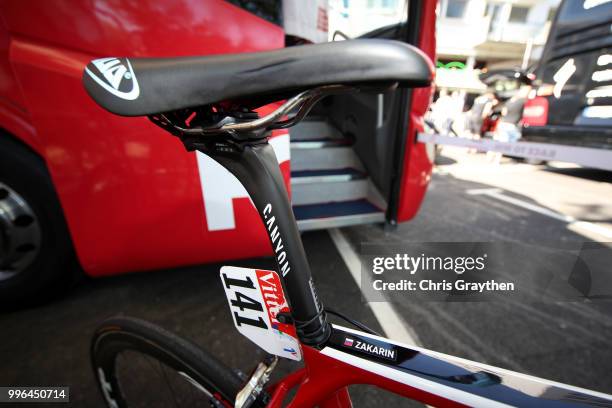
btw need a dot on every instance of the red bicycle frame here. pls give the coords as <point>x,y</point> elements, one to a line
<point>324,381</point>
<point>429,377</point>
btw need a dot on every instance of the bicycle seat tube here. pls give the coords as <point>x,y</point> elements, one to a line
<point>256,167</point>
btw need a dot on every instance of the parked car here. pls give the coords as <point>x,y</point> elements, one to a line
<point>81,189</point>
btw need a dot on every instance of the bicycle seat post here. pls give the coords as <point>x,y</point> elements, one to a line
<point>254,164</point>
<point>237,139</point>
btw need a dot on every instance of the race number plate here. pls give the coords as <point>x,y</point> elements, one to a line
<point>255,297</point>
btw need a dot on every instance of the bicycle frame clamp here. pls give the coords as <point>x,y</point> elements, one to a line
<point>252,389</point>
<point>239,123</point>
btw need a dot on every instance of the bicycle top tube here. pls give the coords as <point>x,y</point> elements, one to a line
<point>209,102</point>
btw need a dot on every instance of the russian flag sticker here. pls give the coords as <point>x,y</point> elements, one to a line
<point>348,342</point>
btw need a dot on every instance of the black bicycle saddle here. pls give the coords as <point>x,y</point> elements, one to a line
<point>146,86</point>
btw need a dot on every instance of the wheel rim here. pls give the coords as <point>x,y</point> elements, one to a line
<point>19,233</point>
<point>147,381</point>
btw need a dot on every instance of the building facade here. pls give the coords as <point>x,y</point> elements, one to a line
<point>472,35</point>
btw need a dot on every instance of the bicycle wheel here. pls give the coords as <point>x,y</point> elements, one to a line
<point>138,364</point>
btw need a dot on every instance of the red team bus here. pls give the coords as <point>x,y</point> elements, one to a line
<point>84,190</point>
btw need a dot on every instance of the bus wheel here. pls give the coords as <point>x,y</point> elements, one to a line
<point>37,260</point>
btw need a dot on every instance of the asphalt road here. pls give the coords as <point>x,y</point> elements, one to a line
<point>567,342</point>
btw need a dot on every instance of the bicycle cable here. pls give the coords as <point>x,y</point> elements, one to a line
<point>353,322</point>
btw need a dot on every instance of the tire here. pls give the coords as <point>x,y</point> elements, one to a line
<point>142,340</point>
<point>37,260</point>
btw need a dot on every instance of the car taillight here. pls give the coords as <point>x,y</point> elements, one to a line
<point>535,112</point>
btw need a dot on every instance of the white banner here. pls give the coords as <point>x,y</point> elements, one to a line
<point>584,156</point>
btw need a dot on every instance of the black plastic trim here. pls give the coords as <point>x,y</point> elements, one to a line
<point>415,10</point>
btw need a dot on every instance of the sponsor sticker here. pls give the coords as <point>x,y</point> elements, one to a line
<point>370,348</point>
<point>116,76</point>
